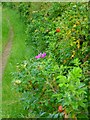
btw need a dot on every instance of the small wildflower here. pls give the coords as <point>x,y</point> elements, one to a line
<point>37,57</point>
<point>40,55</point>
<point>43,55</point>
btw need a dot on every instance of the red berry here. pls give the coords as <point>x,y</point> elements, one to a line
<point>60,109</point>
<point>58,30</point>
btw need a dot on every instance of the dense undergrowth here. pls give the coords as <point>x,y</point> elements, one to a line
<point>59,76</point>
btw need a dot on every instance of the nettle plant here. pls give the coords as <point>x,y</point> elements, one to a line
<point>45,86</point>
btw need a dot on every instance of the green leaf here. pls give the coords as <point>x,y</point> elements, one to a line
<point>43,113</point>
<point>62,79</point>
<point>61,85</point>
<point>56,115</point>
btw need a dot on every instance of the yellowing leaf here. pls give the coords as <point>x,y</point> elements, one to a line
<point>73,54</point>
<point>74,25</point>
<point>78,44</point>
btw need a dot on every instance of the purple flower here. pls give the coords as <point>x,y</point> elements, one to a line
<point>37,57</point>
<point>40,55</point>
<point>43,55</point>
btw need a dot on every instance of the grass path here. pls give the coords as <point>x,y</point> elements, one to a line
<point>5,30</point>
<point>5,53</point>
<point>11,106</point>
<point>7,48</point>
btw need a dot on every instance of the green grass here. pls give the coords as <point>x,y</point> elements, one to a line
<point>5,30</point>
<point>11,106</point>
<point>0,29</point>
<point>0,54</point>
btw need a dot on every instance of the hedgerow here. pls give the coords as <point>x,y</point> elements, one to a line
<point>60,77</point>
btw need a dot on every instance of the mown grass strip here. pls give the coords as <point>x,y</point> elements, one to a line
<point>11,106</point>
<point>0,29</point>
<point>5,30</point>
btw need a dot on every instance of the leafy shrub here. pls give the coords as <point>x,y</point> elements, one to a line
<point>44,86</point>
<point>73,35</point>
<point>24,10</point>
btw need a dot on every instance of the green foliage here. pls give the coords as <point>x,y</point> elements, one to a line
<point>72,91</point>
<point>8,4</point>
<point>44,86</point>
<point>61,78</point>
<point>24,10</point>
<point>72,19</point>
<point>57,9</point>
